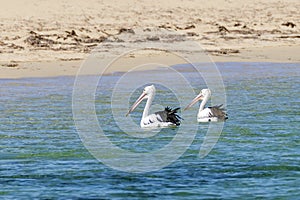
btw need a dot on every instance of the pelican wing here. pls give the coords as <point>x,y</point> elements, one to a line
<point>169,115</point>
<point>218,111</point>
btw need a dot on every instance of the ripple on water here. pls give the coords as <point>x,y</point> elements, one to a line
<point>257,155</point>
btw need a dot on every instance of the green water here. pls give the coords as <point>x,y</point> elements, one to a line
<point>257,155</point>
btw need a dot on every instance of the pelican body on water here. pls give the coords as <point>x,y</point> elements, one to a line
<point>165,118</point>
<point>209,114</point>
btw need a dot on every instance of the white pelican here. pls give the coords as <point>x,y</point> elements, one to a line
<point>165,118</point>
<point>210,114</point>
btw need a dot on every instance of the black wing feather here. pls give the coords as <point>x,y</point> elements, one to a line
<point>170,115</point>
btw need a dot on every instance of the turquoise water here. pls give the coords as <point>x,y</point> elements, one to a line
<point>257,155</point>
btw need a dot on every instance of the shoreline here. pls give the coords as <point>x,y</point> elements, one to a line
<point>45,69</point>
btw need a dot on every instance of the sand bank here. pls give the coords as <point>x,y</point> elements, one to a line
<point>52,38</point>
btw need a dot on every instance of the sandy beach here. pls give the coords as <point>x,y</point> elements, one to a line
<point>52,38</point>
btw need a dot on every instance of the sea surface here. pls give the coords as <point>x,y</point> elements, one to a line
<point>257,154</point>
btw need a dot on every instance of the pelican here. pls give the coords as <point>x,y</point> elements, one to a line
<point>210,114</point>
<point>165,118</point>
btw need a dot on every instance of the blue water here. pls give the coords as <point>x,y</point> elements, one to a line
<point>257,154</point>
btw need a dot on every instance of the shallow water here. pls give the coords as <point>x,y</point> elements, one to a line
<point>257,155</point>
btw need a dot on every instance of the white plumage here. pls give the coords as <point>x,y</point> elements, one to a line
<point>165,118</point>
<point>209,114</point>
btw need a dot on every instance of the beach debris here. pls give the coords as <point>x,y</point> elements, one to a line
<point>71,33</point>
<point>88,39</point>
<point>70,59</point>
<point>189,27</point>
<point>192,34</point>
<point>222,29</point>
<point>67,41</point>
<point>153,38</point>
<point>11,46</point>
<point>275,31</point>
<point>237,24</point>
<point>11,64</point>
<point>186,27</point>
<point>16,37</point>
<point>223,51</point>
<point>289,36</point>
<point>14,46</point>
<point>289,24</point>
<point>198,20</point>
<point>165,26</point>
<point>38,40</point>
<point>86,30</point>
<point>126,30</point>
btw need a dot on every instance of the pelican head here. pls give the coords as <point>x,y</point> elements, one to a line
<point>204,93</point>
<point>148,92</point>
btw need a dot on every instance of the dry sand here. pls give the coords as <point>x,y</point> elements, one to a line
<point>50,38</point>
